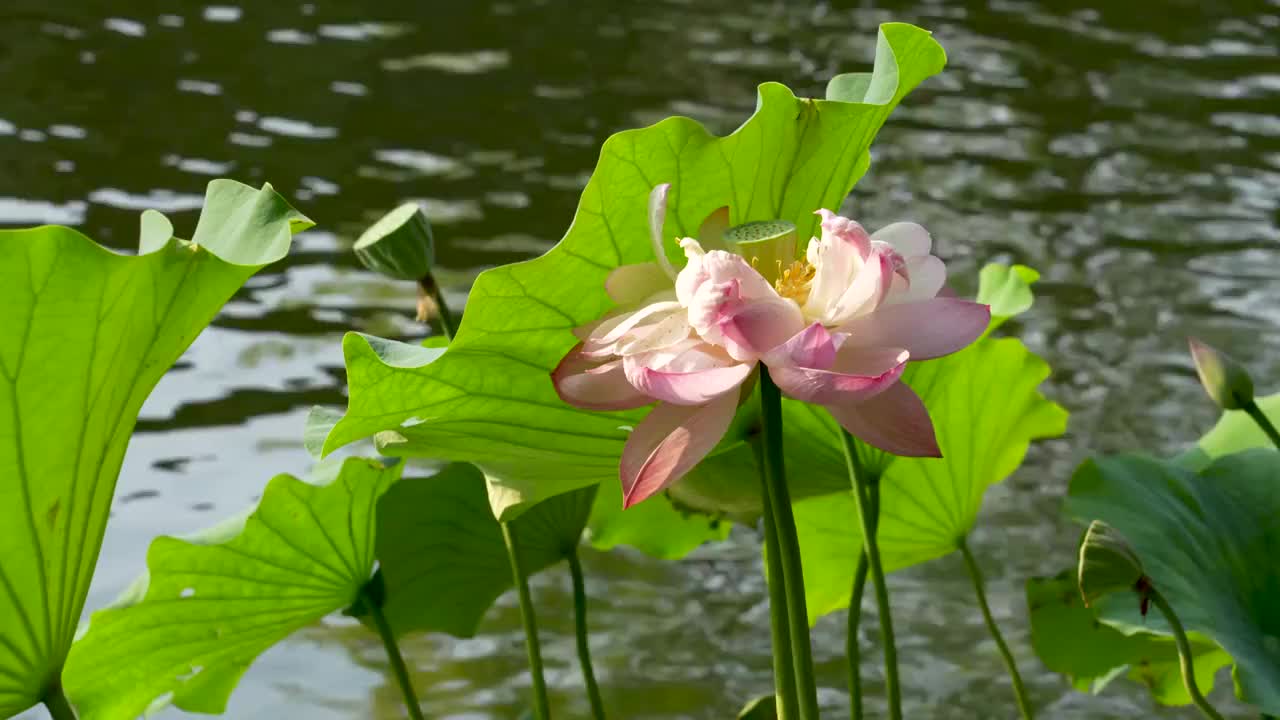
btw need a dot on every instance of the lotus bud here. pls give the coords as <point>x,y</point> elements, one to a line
<point>769,245</point>
<point>1108,564</point>
<point>1226,381</point>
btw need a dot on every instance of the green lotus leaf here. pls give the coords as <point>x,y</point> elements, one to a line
<point>986,410</point>
<point>489,399</point>
<point>1007,289</point>
<point>88,334</point>
<point>211,609</point>
<point>1069,640</point>
<point>441,551</point>
<point>1208,542</point>
<point>1234,431</point>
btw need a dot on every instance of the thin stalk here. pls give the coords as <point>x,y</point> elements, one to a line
<point>429,288</point>
<point>1263,422</point>
<point>1184,654</point>
<point>398,667</point>
<point>580,629</point>
<point>784,676</point>
<point>541,706</point>
<point>853,654</point>
<point>55,701</point>
<point>1019,690</point>
<point>779,500</point>
<point>893,688</point>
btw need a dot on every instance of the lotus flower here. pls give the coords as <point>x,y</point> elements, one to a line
<point>835,329</point>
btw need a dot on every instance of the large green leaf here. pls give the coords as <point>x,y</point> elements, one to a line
<point>87,334</point>
<point>1209,542</point>
<point>489,399</point>
<point>986,410</point>
<point>1234,431</point>
<point>442,554</point>
<point>1069,640</point>
<point>211,609</point>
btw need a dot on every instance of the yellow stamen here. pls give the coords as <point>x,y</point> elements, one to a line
<point>794,281</point>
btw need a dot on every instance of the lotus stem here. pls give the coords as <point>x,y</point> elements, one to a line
<point>1019,690</point>
<point>584,642</point>
<point>398,668</point>
<point>1263,422</point>
<point>55,701</point>
<point>861,498</point>
<point>541,705</point>
<point>779,501</point>
<point>784,677</point>
<point>853,654</point>
<point>1184,654</point>
<point>429,294</point>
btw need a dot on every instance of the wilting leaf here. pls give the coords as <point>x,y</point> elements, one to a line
<point>87,334</point>
<point>1070,640</point>
<point>211,609</point>
<point>1208,542</point>
<point>442,554</point>
<point>489,399</point>
<point>986,410</point>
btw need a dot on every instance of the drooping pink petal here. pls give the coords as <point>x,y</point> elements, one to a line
<point>604,338</point>
<point>895,420</point>
<point>630,284</point>
<point>657,217</point>
<point>669,442</point>
<point>711,232</point>
<point>828,387</point>
<point>591,385</point>
<point>685,387</point>
<point>812,347</point>
<point>927,329</point>
<point>908,238</point>
<point>655,335</point>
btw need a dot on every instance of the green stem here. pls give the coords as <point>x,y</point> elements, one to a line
<point>853,653</point>
<point>784,677</point>
<point>861,499</point>
<point>779,500</point>
<point>431,288</point>
<point>1184,655</point>
<point>55,701</point>
<point>541,706</point>
<point>580,628</point>
<point>1263,422</point>
<point>1019,690</point>
<point>398,667</point>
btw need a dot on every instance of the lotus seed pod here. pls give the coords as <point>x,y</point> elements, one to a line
<point>399,245</point>
<point>770,245</point>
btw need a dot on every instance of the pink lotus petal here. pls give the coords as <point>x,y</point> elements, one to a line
<point>631,284</point>
<point>908,238</point>
<point>591,385</point>
<point>867,290</point>
<point>812,347</point>
<point>647,337</point>
<point>657,217</point>
<point>837,228</point>
<point>694,387</point>
<point>606,335</point>
<point>827,387</point>
<point>751,329</point>
<point>668,443</point>
<point>927,329</point>
<point>857,360</point>
<point>895,420</point>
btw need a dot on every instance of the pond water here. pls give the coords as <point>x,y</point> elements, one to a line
<point>1130,151</point>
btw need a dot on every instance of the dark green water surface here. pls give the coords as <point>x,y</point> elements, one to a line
<point>1129,149</point>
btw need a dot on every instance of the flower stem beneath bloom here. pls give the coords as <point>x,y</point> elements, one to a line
<point>1019,690</point>
<point>784,676</point>
<point>853,655</point>
<point>871,548</point>
<point>779,505</point>
<point>431,302</point>
<point>1263,422</point>
<point>541,706</point>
